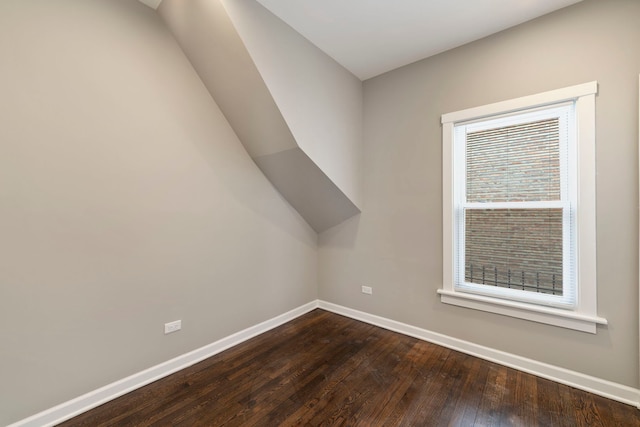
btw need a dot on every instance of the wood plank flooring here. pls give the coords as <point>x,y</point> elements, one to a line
<point>325,369</point>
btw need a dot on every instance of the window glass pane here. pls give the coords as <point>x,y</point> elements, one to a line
<point>514,163</point>
<point>514,248</point>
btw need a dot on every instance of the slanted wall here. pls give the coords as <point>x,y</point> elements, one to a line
<point>320,100</point>
<point>214,46</point>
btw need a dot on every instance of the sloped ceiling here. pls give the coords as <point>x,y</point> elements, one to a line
<point>370,37</point>
<point>214,47</point>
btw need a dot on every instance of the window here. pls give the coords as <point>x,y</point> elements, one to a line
<point>519,208</point>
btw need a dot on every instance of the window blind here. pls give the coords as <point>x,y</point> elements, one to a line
<point>515,226</point>
<point>514,163</point>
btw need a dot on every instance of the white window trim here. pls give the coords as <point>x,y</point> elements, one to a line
<point>584,316</point>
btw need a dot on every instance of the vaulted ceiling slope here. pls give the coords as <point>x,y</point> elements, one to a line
<point>269,102</point>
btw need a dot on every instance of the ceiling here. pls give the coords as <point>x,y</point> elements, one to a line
<point>370,37</point>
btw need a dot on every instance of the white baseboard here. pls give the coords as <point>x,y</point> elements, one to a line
<point>77,406</point>
<point>608,389</point>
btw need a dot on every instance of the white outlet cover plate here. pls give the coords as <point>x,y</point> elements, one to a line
<point>172,326</point>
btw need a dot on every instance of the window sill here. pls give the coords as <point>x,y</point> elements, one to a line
<point>540,314</point>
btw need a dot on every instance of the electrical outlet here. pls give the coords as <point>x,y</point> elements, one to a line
<point>367,290</point>
<point>172,326</point>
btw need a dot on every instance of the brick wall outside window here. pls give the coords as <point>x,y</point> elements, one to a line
<point>516,248</point>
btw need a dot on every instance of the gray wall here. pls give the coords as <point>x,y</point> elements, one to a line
<point>395,245</point>
<point>126,201</point>
<point>319,99</point>
<point>245,85</point>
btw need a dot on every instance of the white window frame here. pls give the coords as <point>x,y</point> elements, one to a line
<point>582,316</point>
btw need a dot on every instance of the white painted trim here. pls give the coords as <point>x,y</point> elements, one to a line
<point>585,310</point>
<point>449,233</point>
<point>536,313</point>
<point>608,389</point>
<point>586,218</point>
<point>525,102</point>
<point>79,405</point>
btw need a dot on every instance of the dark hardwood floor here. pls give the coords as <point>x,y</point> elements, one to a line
<point>325,369</point>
